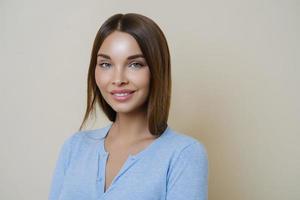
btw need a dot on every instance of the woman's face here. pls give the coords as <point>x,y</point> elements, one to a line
<point>122,66</point>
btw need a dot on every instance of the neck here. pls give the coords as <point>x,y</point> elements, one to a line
<point>130,127</point>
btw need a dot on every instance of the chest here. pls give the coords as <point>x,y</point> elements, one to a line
<point>115,162</point>
<point>145,177</point>
<point>118,157</point>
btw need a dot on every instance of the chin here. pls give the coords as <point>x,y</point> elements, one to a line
<point>122,110</point>
<point>125,109</point>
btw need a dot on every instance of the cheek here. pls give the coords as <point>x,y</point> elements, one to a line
<point>101,78</point>
<point>142,79</point>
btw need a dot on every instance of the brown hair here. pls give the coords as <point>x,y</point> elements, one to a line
<point>154,46</point>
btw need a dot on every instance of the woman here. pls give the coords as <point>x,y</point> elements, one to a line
<point>137,156</point>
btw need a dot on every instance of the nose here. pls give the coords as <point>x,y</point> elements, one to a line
<point>119,78</point>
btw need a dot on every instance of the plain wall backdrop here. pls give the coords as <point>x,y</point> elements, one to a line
<point>235,73</point>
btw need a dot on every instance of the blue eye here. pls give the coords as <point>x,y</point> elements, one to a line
<point>104,65</point>
<point>136,65</point>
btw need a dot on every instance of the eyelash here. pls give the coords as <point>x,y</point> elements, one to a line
<point>137,63</point>
<point>101,65</point>
<point>133,63</point>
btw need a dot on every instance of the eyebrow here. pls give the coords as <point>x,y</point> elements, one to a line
<point>129,58</point>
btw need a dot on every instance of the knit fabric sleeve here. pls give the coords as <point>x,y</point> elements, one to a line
<point>62,163</point>
<point>188,174</point>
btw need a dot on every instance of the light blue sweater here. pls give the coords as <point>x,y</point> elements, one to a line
<point>173,167</point>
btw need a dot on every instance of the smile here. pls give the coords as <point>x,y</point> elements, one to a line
<point>122,97</point>
<point>121,94</point>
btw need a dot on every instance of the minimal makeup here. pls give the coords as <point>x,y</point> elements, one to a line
<point>121,65</point>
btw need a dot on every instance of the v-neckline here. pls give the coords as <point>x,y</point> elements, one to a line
<point>140,153</point>
<point>129,159</point>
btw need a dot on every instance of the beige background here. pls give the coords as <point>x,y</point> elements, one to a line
<point>236,84</point>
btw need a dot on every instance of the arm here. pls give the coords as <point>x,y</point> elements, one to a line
<point>60,169</point>
<point>188,175</point>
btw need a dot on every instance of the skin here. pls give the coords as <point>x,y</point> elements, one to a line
<point>129,134</point>
<point>115,71</point>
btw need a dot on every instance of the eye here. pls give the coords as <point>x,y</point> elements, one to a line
<point>104,65</point>
<point>136,65</point>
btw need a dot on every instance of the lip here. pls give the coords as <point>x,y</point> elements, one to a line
<point>122,98</point>
<point>122,91</point>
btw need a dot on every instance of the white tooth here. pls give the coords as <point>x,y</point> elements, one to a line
<point>121,94</point>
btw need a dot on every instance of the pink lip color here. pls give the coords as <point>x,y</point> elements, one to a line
<point>123,98</point>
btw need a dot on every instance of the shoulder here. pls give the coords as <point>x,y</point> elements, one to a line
<point>177,148</point>
<point>180,142</point>
<point>187,151</point>
<point>78,138</point>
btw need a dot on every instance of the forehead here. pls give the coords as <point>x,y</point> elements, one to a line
<point>119,44</point>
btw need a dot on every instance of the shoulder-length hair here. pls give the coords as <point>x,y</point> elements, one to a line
<point>154,47</point>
